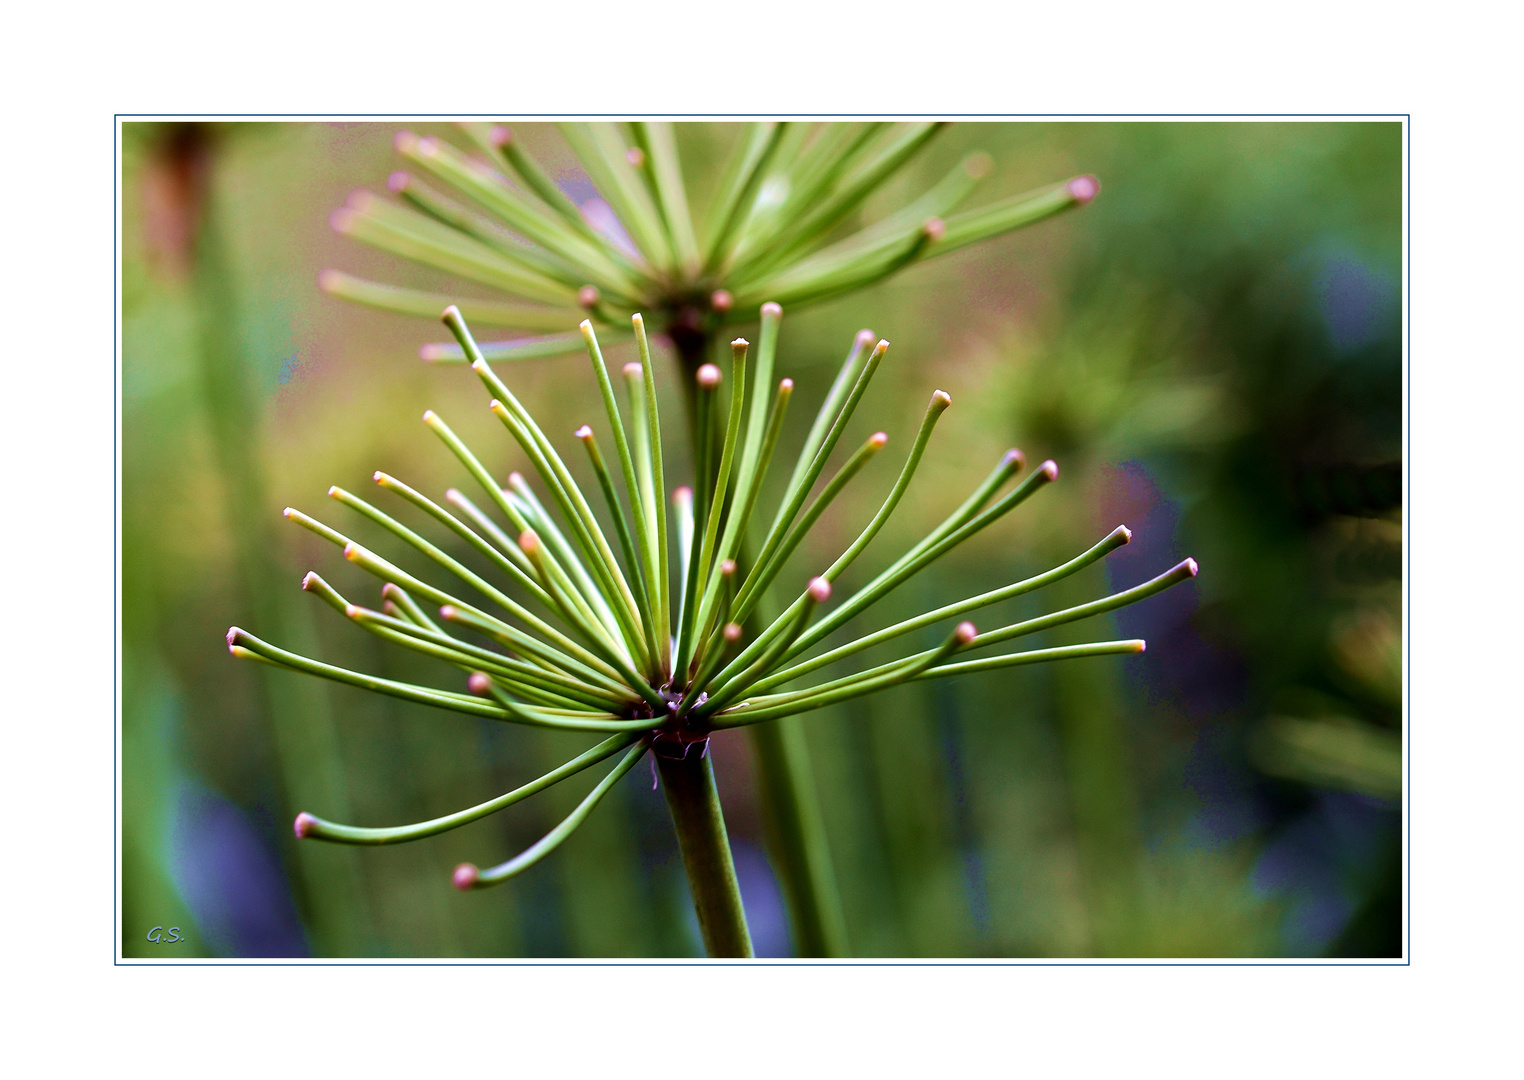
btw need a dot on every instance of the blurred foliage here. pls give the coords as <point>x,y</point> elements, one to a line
<point>1211,351</point>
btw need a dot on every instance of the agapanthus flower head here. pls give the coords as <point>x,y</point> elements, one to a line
<point>781,225</point>
<point>630,622</point>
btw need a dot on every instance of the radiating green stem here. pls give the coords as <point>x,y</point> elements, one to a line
<point>695,806</point>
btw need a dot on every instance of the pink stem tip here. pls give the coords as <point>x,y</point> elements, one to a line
<point>1084,188</point>
<point>465,877</point>
<point>304,825</point>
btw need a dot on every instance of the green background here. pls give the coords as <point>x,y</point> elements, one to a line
<point>1212,353</point>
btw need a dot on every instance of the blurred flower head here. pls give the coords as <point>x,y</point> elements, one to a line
<point>781,225</point>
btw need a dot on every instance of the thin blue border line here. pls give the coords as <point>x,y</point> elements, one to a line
<point>119,961</point>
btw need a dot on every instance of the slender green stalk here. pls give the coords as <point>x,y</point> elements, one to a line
<point>707,558</point>
<point>468,876</point>
<point>448,163</point>
<point>874,679</point>
<point>763,576</point>
<point>616,509</point>
<point>241,640</point>
<point>451,522</point>
<point>1114,540</point>
<point>527,348</point>
<point>528,170</point>
<point>543,525</point>
<point>602,152</point>
<point>660,570</point>
<point>801,488</point>
<point>738,189</point>
<point>405,301</point>
<point>667,177</point>
<point>308,825</point>
<point>644,539</point>
<point>695,806</point>
<point>457,254</point>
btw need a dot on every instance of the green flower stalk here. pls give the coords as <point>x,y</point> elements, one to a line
<point>638,641</point>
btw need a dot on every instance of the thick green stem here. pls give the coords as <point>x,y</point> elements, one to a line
<point>796,837</point>
<point>695,807</point>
